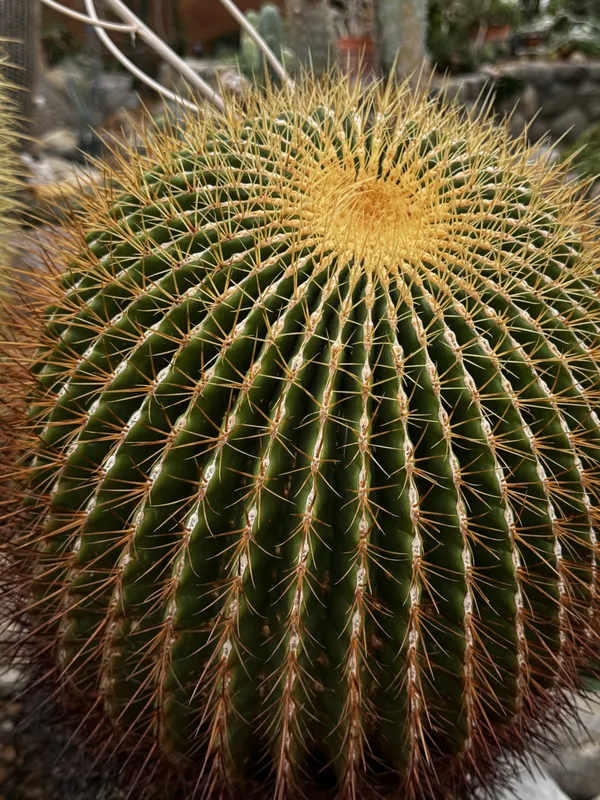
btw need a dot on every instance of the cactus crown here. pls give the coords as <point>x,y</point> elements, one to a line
<point>312,447</point>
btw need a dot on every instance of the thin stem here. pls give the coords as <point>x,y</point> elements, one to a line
<point>165,52</point>
<point>134,26</point>
<point>131,67</point>
<point>108,26</point>
<point>255,35</point>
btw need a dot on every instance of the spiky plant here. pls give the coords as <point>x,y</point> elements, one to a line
<point>308,485</point>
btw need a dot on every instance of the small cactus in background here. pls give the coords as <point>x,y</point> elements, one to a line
<point>401,27</point>
<point>269,24</point>
<point>307,468</point>
<point>251,58</point>
<point>311,34</point>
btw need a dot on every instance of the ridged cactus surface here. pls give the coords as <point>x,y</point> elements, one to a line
<point>313,449</point>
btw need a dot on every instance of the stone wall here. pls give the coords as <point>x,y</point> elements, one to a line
<point>556,98</point>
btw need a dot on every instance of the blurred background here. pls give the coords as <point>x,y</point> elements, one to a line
<point>541,59</point>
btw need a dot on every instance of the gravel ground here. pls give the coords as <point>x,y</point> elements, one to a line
<point>38,761</point>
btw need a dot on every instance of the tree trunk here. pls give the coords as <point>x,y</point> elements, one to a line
<point>20,23</point>
<point>310,32</point>
<point>401,27</point>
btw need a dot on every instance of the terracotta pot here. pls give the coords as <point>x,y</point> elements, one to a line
<point>357,56</point>
<point>498,33</point>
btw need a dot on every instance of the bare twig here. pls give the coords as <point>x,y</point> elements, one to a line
<point>163,50</point>
<point>133,25</point>
<point>109,26</point>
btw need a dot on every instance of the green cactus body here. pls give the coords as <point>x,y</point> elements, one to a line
<point>316,467</point>
<point>250,56</point>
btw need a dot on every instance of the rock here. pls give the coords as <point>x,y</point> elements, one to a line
<point>51,109</point>
<point>516,124</point>
<point>49,169</point>
<point>576,765</point>
<point>457,89</point>
<point>557,100</point>
<point>33,793</point>
<point>8,754</point>
<point>594,193</point>
<point>529,103</point>
<point>571,124</point>
<point>10,681</point>
<point>589,92</point>
<point>577,771</point>
<point>577,57</point>
<point>13,710</point>
<point>64,74</point>
<point>570,73</point>
<point>506,106</point>
<point>535,786</point>
<point>233,82</point>
<point>10,632</point>
<point>62,142</point>
<point>540,75</point>
<point>213,72</point>
<point>592,108</point>
<point>52,178</point>
<point>116,91</point>
<point>543,154</point>
<point>537,130</point>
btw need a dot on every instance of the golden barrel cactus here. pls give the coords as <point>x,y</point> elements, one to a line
<point>307,462</point>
